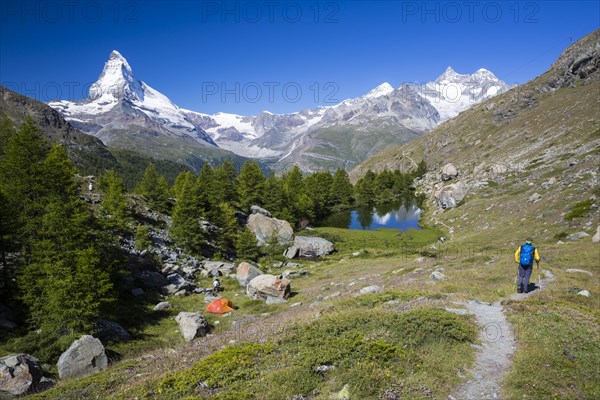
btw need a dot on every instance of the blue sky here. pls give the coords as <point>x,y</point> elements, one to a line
<point>282,56</point>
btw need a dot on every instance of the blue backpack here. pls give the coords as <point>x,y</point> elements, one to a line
<point>526,256</point>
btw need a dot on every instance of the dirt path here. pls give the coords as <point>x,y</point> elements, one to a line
<point>494,356</point>
<point>493,359</point>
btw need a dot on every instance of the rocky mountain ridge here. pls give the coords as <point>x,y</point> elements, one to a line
<point>127,113</point>
<point>521,161</point>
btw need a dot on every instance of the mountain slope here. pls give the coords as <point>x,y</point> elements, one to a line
<point>129,114</point>
<point>87,152</point>
<point>363,125</point>
<point>541,138</point>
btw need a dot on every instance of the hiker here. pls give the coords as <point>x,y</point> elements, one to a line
<point>216,285</point>
<point>524,256</point>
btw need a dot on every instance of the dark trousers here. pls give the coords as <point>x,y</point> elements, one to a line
<point>524,275</point>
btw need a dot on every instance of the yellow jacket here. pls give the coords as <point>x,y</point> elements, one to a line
<point>536,256</point>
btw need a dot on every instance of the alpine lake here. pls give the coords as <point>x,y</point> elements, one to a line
<point>400,215</point>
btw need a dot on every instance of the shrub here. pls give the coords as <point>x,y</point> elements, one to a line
<point>578,210</point>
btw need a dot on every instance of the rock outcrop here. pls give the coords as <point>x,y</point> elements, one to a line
<point>264,286</point>
<point>19,373</point>
<point>110,331</point>
<point>450,196</point>
<point>449,171</point>
<point>85,356</point>
<point>192,325</point>
<point>246,272</point>
<point>306,246</point>
<point>265,227</point>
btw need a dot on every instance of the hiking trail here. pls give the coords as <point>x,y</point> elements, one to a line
<point>494,356</point>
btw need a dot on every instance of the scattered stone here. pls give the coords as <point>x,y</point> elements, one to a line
<point>192,325</point>
<point>373,289</point>
<point>450,196</point>
<point>552,181</point>
<point>577,236</point>
<point>85,356</point>
<point>584,293</point>
<point>294,274</point>
<point>343,394</point>
<point>246,272</point>
<point>580,271</point>
<point>356,253</point>
<point>275,300</point>
<point>438,276</point>
<point>163,305</point>
<point>479,169</point>
<point>168,289</point>
<point>534,197</point>
<point>298,304</point>
<point>324,368</point>
<point>596,237</point>
<point>19,373</point>
<point>259,210</point>
<point>449,171</point>
<point>180,282</point>
<point>209,298</point>
<point>263,286</point>
<point>137,291</point>
<point>499,169</point>
<point>110,331</point>
<point>291,252</point>
<point>151,279</point>
<point>313,246</point>
<point>420,260</point>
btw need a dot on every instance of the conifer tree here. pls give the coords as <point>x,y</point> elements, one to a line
<point>185,222</point>
<point>229,227</point>
<point>318,187</point>
<point>250,184</point>
<point>205,190</point>
<point>154,188</point>
<point>365,190</point>
<point>181,180</point>
<point>225,179</point>
<point>274,198</point>
<point>114,202</point>
<point>342,191</point>
<point>246,246</point>
<point>7,129</point>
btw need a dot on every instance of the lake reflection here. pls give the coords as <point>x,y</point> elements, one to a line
<point>392,215</point>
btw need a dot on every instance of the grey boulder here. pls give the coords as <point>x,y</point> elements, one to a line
<point>450,196</point>
<point>192,325</point>
<point>19,373</point>
<point>246,272</point>
<point>449,171</point>
<point>264,286</point>
<point>312,246</point>
<point>265,227</point>
<point>85,356</point>
<point>108,331</point>
<point>151,279</point>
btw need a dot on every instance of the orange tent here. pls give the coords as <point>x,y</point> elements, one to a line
<point>219,306</point>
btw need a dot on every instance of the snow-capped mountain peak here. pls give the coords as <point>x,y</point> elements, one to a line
<point>116,81</point>
<point>381,90</point>
<point>117,101</point>
<point>449,76</point>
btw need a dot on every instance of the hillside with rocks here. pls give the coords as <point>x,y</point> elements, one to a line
<point>524,161</point>
<point>87,152</point>
<point>304,312</point>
